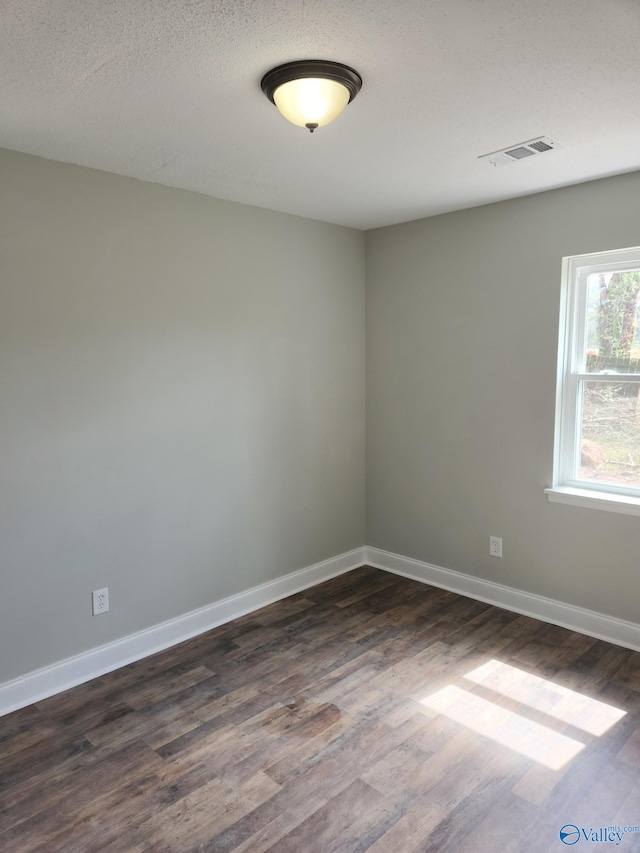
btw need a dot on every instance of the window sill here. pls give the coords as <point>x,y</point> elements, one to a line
<point>595,500</point>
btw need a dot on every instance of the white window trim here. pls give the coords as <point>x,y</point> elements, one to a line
<point>592,500</point>
<point>571,371</point>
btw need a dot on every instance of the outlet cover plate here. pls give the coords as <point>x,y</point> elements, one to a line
<point>495,546</point>
<point>100,601</point>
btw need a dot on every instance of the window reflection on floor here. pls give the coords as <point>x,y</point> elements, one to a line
<point>501,685</point>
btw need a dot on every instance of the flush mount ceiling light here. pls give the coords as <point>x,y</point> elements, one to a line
<point>313,92</point>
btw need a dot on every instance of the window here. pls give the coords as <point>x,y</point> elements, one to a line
<point>597,451</point>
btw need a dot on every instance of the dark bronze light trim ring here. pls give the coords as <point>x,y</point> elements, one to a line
<point>349,77</point>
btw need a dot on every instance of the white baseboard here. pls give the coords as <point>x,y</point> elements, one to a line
<point>81,668</point>
<point>587,622</point>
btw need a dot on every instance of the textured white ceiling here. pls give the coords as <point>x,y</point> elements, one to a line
<point>169,91</point>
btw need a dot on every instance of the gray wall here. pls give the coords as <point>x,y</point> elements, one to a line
<point>181,398</point>
<point>462,331</point>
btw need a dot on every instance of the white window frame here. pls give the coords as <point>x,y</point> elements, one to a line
<point>572,371</point>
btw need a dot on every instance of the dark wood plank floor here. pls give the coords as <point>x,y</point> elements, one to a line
<point>370,713</point>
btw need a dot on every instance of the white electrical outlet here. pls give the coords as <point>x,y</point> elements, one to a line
<point>100,598</point>
<point>495,546</point>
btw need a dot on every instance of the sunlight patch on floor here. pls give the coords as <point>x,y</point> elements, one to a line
<point>566,705</point>
<point>543,744</point>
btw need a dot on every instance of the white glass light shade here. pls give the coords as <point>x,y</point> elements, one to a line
<point>311,100</point>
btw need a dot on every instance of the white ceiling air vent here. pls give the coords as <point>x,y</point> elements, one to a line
<point>520,152</point>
